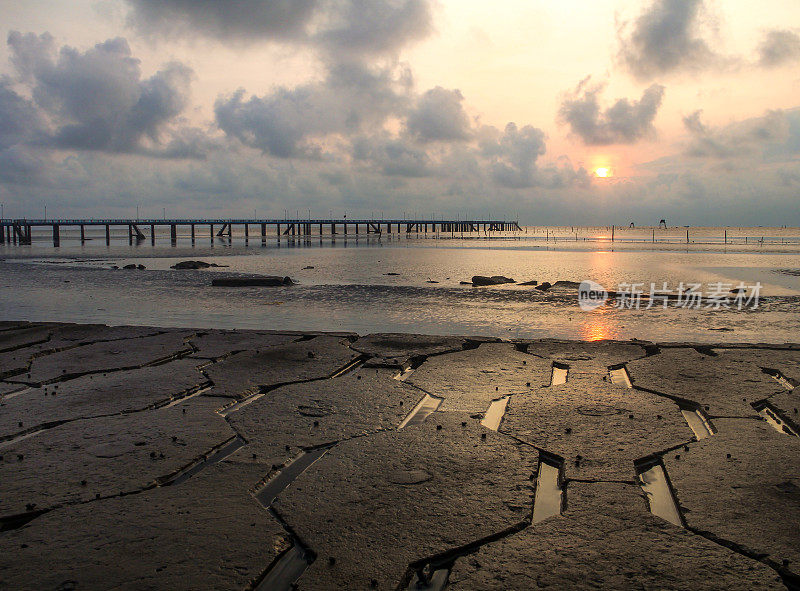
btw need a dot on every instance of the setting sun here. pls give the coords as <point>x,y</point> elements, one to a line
<point>602,172</point>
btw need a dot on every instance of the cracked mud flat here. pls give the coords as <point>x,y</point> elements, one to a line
<point>180,459</point>
<point>245,373</point>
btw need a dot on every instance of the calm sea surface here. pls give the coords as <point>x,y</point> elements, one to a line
<point>348,286</point>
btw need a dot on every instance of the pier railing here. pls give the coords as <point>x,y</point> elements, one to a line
<point>19,231</point>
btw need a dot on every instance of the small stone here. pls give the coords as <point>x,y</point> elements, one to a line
<point>316,423</point>
<point>463,424</point>
<point>331,560</point>
<point>30,506</point>
<point>83,483</point>
<point>568,430</point>
<point>630,416</point>
<point>483,435</point>
<point>20,424</point>
<point>728,456</point>
<point>311,355</point>
<point>358,377</point>
<point>528,384</point>
<point>496,388</point>
<point>373,583</point>
<point>677,456</point>
<point>288,447</point>
<point>438,427</point>
<point>20,457</point>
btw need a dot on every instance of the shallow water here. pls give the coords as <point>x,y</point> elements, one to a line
<point>348,287</point>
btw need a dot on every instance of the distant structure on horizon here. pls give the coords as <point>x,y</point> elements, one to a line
<point>662,224</point>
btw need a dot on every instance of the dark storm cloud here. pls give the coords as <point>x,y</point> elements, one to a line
<point>438,115</point>
<point>352,27</point>
<point>779,47</point>
<point>772,135</point>
<point>97,100</point>
<point>625,122</point>
<point>287,122</point>
<point>666,37</point>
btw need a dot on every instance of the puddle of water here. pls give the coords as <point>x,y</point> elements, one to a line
<point>779,377</point>
<point>213,457</point>
<point>226,410</point>
<point>284,573</point>
<point>22,390</point>
<point>493,417</point>
<point>775,420</point>
<point>405,374</point>
<point>185,398</point>
<point>660,498</point>
<point>436,582</point>
<point>698,422</point>
<point>354,364</point>
<point>272,488</point>
<point>549,497</point>
<point>425,407</point>
<point>619,376</point>
<point>559,374</point>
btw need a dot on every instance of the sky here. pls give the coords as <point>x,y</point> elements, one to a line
<point>568,112</point>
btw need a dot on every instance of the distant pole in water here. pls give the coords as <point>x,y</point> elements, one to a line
<point>612,233</point>
<point>654,235</point>
<point>687,236</point>
<point>726,235</point>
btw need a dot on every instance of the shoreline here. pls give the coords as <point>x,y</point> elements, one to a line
<point>246,459</point>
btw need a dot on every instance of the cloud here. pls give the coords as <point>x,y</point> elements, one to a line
<point>19,119</point>
<point>625,122</point>
<point>392,157</point>
<point>341,27</point>
<point>372,26</point>
<point>769,135</point>
<point>779,47</point>
<point>512,154</point>
<point>666,37</point>
<point>97,100</point>
<point>288,122</point>
<point>439,115</point>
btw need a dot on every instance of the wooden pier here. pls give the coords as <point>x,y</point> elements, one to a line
<point>20,231</point>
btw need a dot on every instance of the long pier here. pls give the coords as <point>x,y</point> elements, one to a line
<point>20,231</point>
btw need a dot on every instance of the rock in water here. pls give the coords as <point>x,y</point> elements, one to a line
<point>264,281</point>
<point>493,280</point>
<point>193,265</point>
<point>544,286</point>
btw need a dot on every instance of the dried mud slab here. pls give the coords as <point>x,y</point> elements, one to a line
<point>786,362</point>
<point>217,344</point>
<point>208,533</point>
<point>597,355</point>
<point>725,385</point>
<point>244,373</point>
<point>598,428</point>
<point>375,504</point>
<point>751,498</point>
<point>469,380</point>
<point>286,420</point>
<point>606,539</point>
<point>399,349</point>
<point>77,461</point>
<point>23,337</point>
<point>97,395</point>
<point>128,353</point>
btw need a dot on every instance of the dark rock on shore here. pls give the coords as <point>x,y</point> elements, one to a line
<point>131,266</point>
<point>194,265</point>
<point>567,284</point>
<point>493,280</point>
<point>265,281</point>
<point>140,267</point>
<point>392,274</point>
<point>533,282</point>
<point>544,286</point>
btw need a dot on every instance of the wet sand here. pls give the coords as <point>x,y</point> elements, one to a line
<point>161,458</point>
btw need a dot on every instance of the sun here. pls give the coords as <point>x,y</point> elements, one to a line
<point>602,172</point>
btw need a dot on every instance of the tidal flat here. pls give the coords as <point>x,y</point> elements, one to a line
<point>151,458</point>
